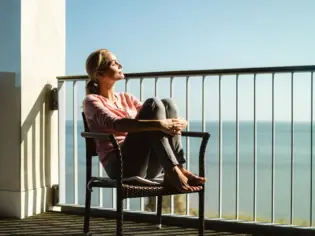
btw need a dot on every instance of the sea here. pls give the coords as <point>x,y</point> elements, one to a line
<point>290,176</point>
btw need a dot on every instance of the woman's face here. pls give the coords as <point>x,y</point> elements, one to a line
<point>114,69</point>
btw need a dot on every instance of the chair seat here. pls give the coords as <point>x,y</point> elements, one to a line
<point>132,188</point>
<point>135,180</point>
<point>133,191</point>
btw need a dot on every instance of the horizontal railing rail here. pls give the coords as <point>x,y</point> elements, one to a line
<point>235,161</point>
<point>254,70</point>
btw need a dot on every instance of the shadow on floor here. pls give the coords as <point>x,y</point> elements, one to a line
<point>52,223</point>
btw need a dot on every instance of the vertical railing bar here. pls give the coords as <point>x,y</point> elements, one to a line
<point>156,204</point>
<point>311,157</point>
<point>141,99</point>
<point>127,201</point>
<point>203,106</point>
<point>126,84</point>
<point>203,115</point>
<point>141,89</point>
<point>273,146</point>
<point>142,204</point>
<point>255,156</point>
<point>171,86</point>
<point>100,193</point>
<point>172,205</point>
<point>292,151</point>
<point>187,142</point>
<point>62,140</point>
<point>171,96</point>
<point>156,86</point>
<point>75,143</point>
<point>114,193</point>
<point>237,151</point>
<point>156,94</point>
<point>220,149</point>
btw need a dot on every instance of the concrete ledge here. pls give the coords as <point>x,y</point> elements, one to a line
<point>23,204</point>
<point>10,204</point>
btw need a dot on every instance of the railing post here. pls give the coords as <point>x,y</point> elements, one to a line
<point>62,140</point>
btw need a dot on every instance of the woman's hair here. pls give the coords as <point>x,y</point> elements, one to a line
<point>92,87</point>
<point>97,61</point>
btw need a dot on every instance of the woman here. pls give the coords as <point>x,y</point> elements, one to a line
<point>148,133</point>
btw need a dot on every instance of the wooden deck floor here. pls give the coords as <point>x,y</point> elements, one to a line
<point>52,223</point>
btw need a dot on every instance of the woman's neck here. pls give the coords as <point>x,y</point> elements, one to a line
<point>108,92</point>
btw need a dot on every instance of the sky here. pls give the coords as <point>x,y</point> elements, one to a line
<point>160,35</point>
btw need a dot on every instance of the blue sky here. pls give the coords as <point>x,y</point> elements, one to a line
<point>162,35</point>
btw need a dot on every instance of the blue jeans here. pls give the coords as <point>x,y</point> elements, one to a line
<point>148,153</point>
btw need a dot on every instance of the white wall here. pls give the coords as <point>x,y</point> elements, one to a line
<point>41,58</point>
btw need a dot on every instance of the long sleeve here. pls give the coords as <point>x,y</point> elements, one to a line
<point>97,114</point>
<point>136,103</point>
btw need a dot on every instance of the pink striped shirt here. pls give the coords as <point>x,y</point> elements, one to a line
<point>101,115</point>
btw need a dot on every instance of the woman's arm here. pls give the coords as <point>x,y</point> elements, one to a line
<point>137,104</point>
<point>167,126</point>
<point>96,111</point>
<point>134,125</point>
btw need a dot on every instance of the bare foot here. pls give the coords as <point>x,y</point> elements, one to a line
<point>192,178</point>
<point>178,180</point>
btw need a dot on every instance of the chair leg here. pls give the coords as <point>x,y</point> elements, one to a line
<point>159,212</point>
<point>86,226</point>
<point>120,216</point>
<point>202,211</point>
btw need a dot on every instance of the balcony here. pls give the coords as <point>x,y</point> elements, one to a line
<point>260,159</point>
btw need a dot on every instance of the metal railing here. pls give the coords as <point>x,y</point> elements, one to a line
<point>215,159</point>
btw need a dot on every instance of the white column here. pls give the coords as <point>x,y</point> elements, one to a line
<point>32,43</point>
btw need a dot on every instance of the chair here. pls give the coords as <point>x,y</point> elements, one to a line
<point>125,190</point>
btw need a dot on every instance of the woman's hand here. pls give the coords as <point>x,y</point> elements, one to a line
<point>183,123</point>
<point>173,126</point>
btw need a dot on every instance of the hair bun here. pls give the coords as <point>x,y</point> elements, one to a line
<point>92,87</point>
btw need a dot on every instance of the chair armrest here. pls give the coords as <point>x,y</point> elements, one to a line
<point>205,136</point>
<point>102,136</point>
<point>195,134</point>
<point>95,135</point>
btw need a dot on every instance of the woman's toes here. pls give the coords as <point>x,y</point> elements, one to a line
<point>181,182</point>
<point>196,180</point>
<point>197,188</point>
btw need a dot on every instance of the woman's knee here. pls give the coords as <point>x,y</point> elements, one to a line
<point>153,108</point>
<point>170,108</point>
